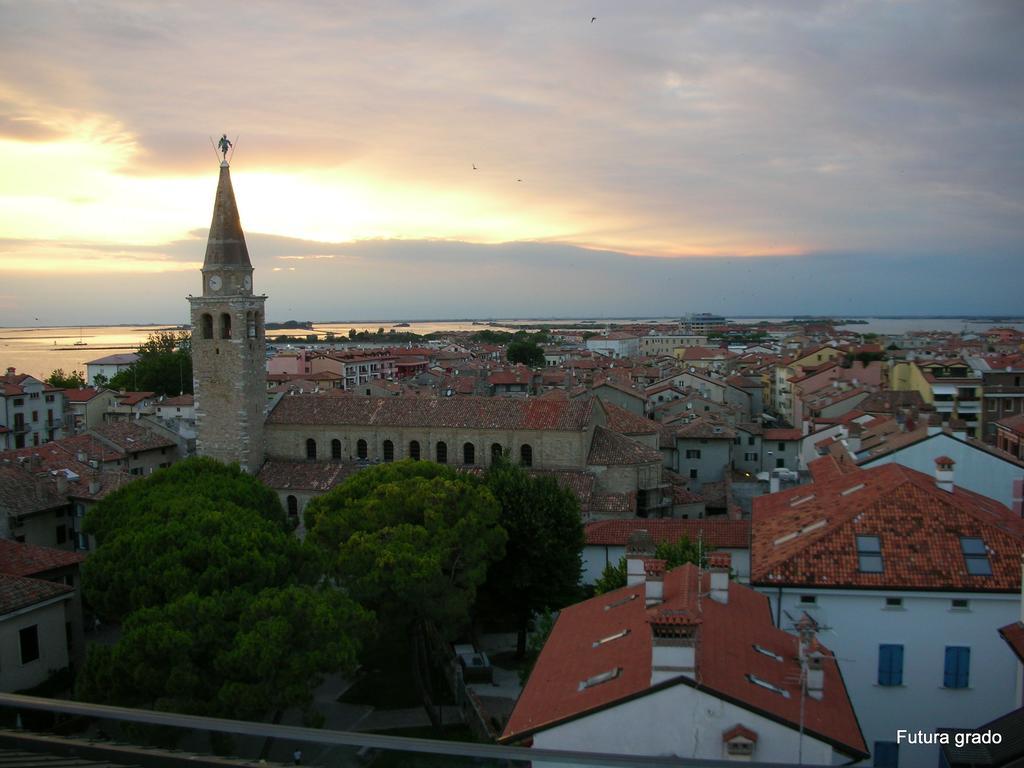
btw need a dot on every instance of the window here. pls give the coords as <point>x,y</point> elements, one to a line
<point>693,474</point>
<point>894,602</point>
<point>958,604</point>
<point>207,324</point>
<point>604,677</point>
<point>335,449</point>
<point>389,451</point>
<point>750,440</point>
<point>414,450</point>
<point>28,638</point>
<point>808,600</point>
<point>62,534</point>
<point>225,325</point>
<point>869,554</point>
<point>496,452</point>
<point>693,453</point>
<point>18,401</point>
<point>361,449</point>
<point>311,448</point>
<point>750,457</point>
<point>526,455</point>
<point>958,666</point>
<point>890,665</point>
<point>975,556</point>
<point>780,463</point>
<point>49,398</point>
<point>293,506</point>
<point>35,415</point>
<point>468,453</point>
<point>442,452</point>
<point>887,754</point>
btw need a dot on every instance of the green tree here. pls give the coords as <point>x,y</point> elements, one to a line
<point>198,526</point>
<point>164,366</point>
<point>543,563</point>
<point>674,553</point>
<point>526,352</point>
<point>72,380</point>
<point>235,654</point>
<point>410,540</point>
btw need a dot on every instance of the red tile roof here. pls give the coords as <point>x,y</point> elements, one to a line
<point>726,657</point>
<point>807,535</point>
<point>783,434</point>
<point>82,395</point>
<point>727,534</point>
<point>1013,634</point>
<point>626,422</point>
<point>20,592</point>
<point>20,559</point>
<point>315,476</point>
<point>612,449</point>
<point>454,413</point>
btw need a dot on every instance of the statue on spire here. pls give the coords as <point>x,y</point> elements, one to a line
<point>224,145</point>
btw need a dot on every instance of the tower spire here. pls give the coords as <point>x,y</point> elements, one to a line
<point>226,244</point>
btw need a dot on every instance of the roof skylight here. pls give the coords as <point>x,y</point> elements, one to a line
<point>604,677</point>
<point>768,686</point>
<point>608,639</point>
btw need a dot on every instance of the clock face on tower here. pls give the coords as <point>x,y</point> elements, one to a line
<point>215,282</point>
<point>247,282</point>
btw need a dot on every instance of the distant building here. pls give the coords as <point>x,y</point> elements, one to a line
<point>702,323</point>
<point>108,367</point>
<point>31,411</point>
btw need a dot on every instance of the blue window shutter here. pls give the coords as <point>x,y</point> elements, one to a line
<point>958,667</point>
<point>963,667</point>
<point>890,665</point>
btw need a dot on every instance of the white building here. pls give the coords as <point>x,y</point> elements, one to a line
<point>615,345</point>
<point>31,411</point>
<point>912,576</point>
<point>108,367</point>
<point>685,664</point>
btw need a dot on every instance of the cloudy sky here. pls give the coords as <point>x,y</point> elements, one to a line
<point>666,157</point>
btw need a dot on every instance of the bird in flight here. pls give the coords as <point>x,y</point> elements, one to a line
<point>474,166</point>
<point>518,179</point>
<point>593,19</point>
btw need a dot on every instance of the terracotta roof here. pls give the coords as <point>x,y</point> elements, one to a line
<point>613,504</point>
<point>131,438</point>
<point>612,449</point>
<point>626,422</point>
<point>783,434</point>
<point>1013,634</point>
<point>706,429</point>
<point>460,413</point>
<point>23,493</point>
<point>305,475</point>
<point>619,387</point>
<point>20,592</point>
<point>20,559</point>
<point>726,658</point>
<point>1013,423</point>
<point>183,401</point>
<point>808,535</point>
<point>730,534</point>
<point>134,398</point>
<point>81,395</point>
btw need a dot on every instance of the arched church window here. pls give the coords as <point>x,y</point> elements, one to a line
<point>311,448</point>
<point>225,325</point>
<point>207,326</point>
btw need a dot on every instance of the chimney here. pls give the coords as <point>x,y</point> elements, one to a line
<point>639,547</point>
<point>815,675</point>
<point>944,473</point>
<point>654,581</point>
<point>94,486</point>
<point>10,371</point>
<point>718,567</point>
<point>673,647</point>
<point>82,457</point>
<point>62,483</point>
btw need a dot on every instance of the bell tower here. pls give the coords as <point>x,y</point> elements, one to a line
<point>228,343</point>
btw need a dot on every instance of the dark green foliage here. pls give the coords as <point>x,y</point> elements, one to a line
<point>673,553</point>
<point>71,380</point>
<point>233,654</point>
<point>411,540</point>
<point>198,526</point>
<point>525,352</point>
<point>542,564</point>
<point>541,632</point>
<point>164,366</point>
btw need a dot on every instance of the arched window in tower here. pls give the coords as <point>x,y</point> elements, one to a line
<point>259,325</point>
<point>207,325</point>
<point>311,448</point>
<point>225,325</point>
<point>495,452</point>
<point>361,449</point>
<point>442,452</point>
<point>414,450</point>
<point>250,324</point>
<point>336,449</point>
<point>526,455</point>
<point>389,451</point>
<point>468,454</point>
<point>293,507</point>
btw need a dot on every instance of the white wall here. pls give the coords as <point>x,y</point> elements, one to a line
<point>49,618</point>
<point>859,622</point>
<point>684,722</point>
